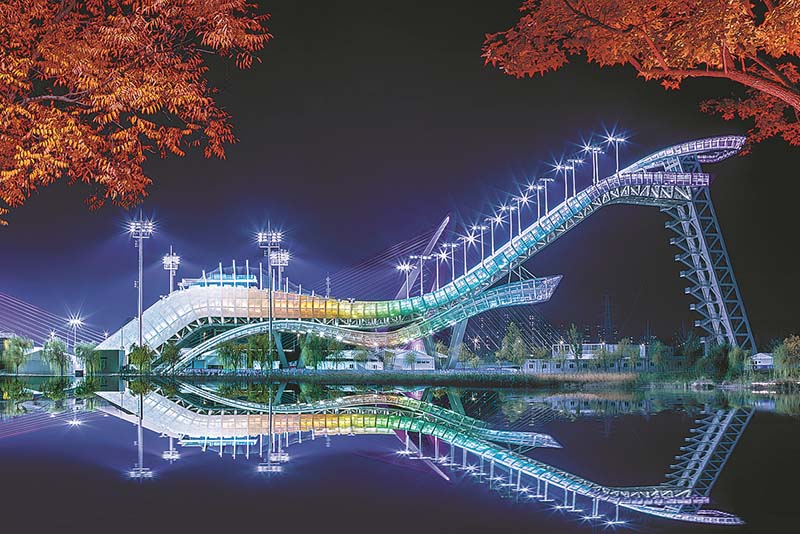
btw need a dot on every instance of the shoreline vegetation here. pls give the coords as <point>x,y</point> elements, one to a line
<point>402,378</point>
<point>653,381</point>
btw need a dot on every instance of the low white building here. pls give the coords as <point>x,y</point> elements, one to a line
<point>763,361</point>
<point>563,360</point>
<point>401,360</point>
<point>347,360</point>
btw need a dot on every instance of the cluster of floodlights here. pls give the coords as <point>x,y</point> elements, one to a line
<point>507,212</point>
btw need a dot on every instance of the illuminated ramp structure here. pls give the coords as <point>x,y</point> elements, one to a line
<point>671,179</point>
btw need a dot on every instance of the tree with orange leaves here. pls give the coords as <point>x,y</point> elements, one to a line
<point>754,44</point>
<point>90,88</point>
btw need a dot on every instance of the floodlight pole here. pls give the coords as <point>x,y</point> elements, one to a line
<point>171,262</point>
<point>140,230</point>
<point>139,244</point>
<point>464,244</point>
<point>269,241</point>
<point>573,163</point>
<point>546,203</point>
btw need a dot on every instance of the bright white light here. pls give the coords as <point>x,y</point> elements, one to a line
<point>592,148</point>
<point>74,422</point>
<point>75,322</point>
<point>272,236</point>
<point>611,138</point>
<point>171,262</point>
<point>522,199</point>
<point>141,228</point>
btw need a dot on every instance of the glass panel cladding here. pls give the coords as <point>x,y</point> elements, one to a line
<point>472,280</point>
<point>319,308</point>
<point>430,301</point>
<point>345,311</point>
<point>450,291</point>
<point>357,310</point>
<point>406,307</point>
<point>394,307</point>
<point>306,307</point>
<point>332,309</point>
<point>461,286</point>
<point>292,306</point>
<point>382,309</point>
<point>370,310</point>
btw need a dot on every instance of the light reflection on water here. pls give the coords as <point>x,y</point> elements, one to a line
<point>211,434</point>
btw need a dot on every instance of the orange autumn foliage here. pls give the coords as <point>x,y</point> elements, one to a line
<point>755,44</point>
<point>89,89</point>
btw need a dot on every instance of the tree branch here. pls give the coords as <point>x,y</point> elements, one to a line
<point>595,20</point>
<point>56,98</point>
<point>778,75</point>
<point>789,95</point>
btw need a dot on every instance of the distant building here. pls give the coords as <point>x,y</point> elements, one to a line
<point>763,361</point>
<point>585,360</point>
<point>346,361</point>
<point>422,361</point>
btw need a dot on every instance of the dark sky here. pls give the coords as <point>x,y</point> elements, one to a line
<point>365,124</point>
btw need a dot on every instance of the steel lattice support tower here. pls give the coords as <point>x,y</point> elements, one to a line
<point>709,270</point>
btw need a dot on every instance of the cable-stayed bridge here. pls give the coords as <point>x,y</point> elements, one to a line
<point>24,319</point>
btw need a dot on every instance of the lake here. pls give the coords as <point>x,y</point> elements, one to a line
<point>363,459</point>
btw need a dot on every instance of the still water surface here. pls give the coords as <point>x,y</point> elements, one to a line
<point>67,464</point>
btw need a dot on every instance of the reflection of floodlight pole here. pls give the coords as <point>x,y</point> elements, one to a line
<point>171,262</point>
<point>172,454</point>
<point>140,229</point>
<point>140,471</point>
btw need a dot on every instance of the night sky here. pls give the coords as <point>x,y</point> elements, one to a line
<point>366,123</point>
